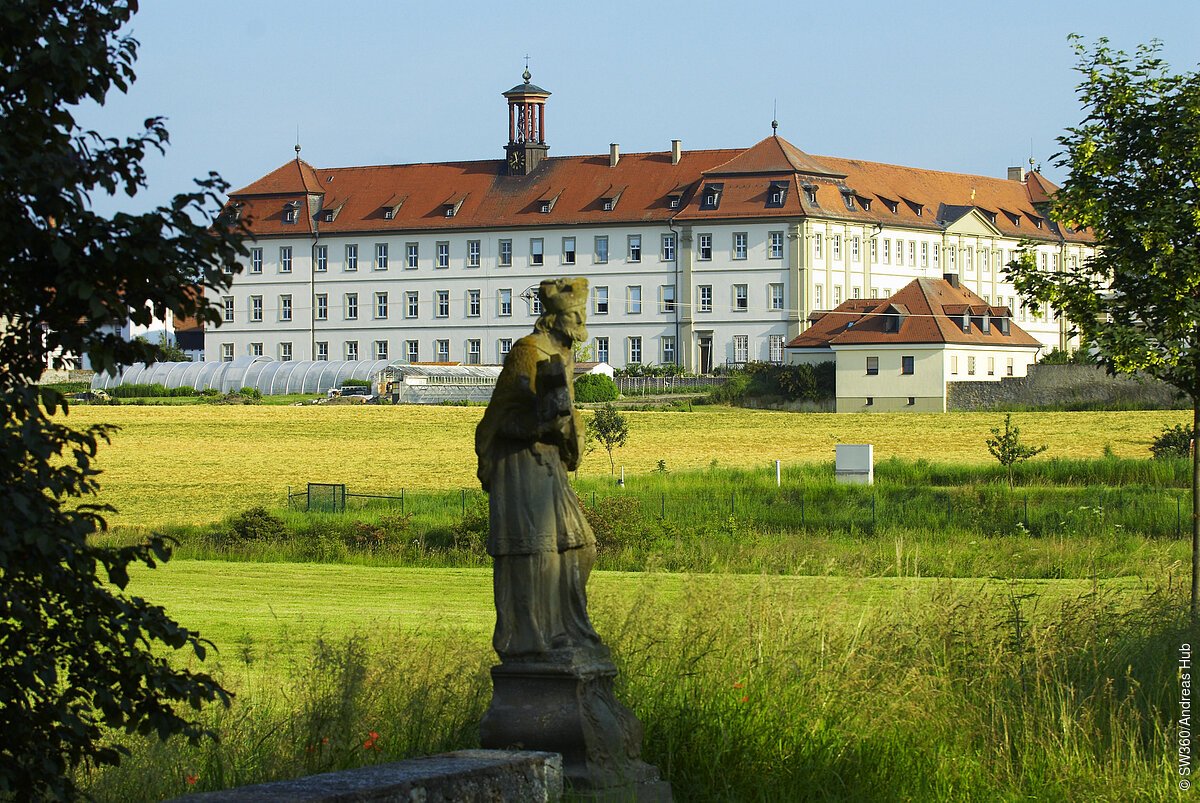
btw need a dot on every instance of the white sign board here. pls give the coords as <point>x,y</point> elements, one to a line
<point>855,463</point>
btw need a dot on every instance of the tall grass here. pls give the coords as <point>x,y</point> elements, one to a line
<point>957,693</point>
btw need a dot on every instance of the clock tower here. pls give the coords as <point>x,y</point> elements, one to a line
<point>526,127</point>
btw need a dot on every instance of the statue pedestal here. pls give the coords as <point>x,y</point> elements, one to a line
<point>568,707</point>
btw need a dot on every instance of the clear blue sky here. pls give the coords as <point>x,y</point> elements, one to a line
<point>966,86</point>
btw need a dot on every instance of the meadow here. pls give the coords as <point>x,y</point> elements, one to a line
<point>750,687</point>
<point>195,464</point>
<point>937,637</point>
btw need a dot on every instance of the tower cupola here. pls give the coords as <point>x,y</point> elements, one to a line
<point>526,127</point>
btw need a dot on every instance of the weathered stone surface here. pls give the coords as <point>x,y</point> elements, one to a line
<point>467,775</point>
<point>1054,385</point>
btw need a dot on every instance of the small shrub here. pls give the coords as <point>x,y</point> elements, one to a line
<point>355,383</point>
<point>595,388</point>
<point>257,524</point>
<point>1174,441</point>
<point>471,531</point>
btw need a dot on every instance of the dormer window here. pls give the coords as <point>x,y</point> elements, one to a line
<point>1004,325</point>
<point>610,198</point>
<point>451,206</point>
<point>711,197</point>
<point>776,194</point>
<point>916,208</point>
<point>810,192</point>
<point>985,323</point>
<point>847,197</point>
<point>392,207</point>
<point>544,207</point>
<point>327,216</point>
<point>608,204</point>
<point>893,206</point>
<point>966,321</point>
<point>449,211</point>
<point>291,210</point>
<point>388,214</point>
<point>865,203</point>
<point>673,201</point>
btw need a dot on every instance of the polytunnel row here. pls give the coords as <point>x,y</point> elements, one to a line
<point>269,376</point>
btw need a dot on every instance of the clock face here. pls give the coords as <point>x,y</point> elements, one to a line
<point>515,161</point>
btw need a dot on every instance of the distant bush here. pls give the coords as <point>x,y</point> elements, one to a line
<point>640,369</point>
<point>595,388</point>
<point>355,383</point>
<point>256,524</point>
<point>154,390</point>
<point>1058,356</point>
<point>1174,441</point>
<point>763,380</point>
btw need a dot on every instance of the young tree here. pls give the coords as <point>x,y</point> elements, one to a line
<point>77,657</point>
<point>1007,448</point>
<point>608,426</point>
<point>1134,180</point>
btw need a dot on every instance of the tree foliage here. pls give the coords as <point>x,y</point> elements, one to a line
<point>78,656</point>
<point>1008,449</point>
<point>610,428</point>
<point>1134,181</point>
<point>595,388</point>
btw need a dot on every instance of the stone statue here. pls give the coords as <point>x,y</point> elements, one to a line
<point>553,688</point>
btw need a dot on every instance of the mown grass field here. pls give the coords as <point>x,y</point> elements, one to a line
<point>195,464</point>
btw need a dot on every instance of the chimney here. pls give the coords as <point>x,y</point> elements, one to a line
<point>676,151</point>
<point>951,278</point>
<point>1016,174</point>
<point>614,154</point>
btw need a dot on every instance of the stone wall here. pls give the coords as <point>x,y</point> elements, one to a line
<point>1061,386</point>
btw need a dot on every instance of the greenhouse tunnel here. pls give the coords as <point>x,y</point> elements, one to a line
<point>270,377</point>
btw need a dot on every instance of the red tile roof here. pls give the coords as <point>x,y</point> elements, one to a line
<point>490,198</point>
<point>930,311</point>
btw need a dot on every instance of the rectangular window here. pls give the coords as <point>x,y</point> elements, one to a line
<point>535,305</point>
<point>936,250</point>
<point>322,258</point>
<point>952,257</point>
<point>285,308</point>
<point>322,350</point>
<point>412,253</point>
<point>668,349</point>
<point>705,297</point>
<point>899,252</point>
<point>351,349</point>
<point>256,260</point>
<point>635,249</point>
<point>855,253</point>
<point>381,349</point>
<point>912,253</point>
<point>412,350</point>
<point>633,300</point>
<point>887,252</point>
<point>954,364</point>
<point>705,246</point>
<point>906,365</point>
<point>667,292</point>
<point>836,247</point>
<point>505,256</point>
<point>856,291</point>
<point>602,349</point>
<point>970,366</point>
<point>775,245</point>
<point>226,352</point>
<point>601,301</point>
<point>412,304</point>
<point>381,305</point>
<point>442,254</point>
<point>635,349</point>
<point>1008,368</point>
<point>924,255</point>
<point>442,304</point>
<point>474,353</point>
<point>969,259</point>
<point>818,294</point>
<point>601,255</point>
<point>739,245</point>
<point>668,248</point>
<point>536,251</point>
<point>381,256</point>
<point>473,304</point>
<point>568,252</point>
<point>503,347</point>
<point>505,303</point>
<point>352,306</point>
<point>227,305</point>
<point>472,253</point>
<point>775,348</point>
<point>285,259</point>
<point>255,349</point>
<point>837,295</point>
<point>441,350</point>
<point>874,250</point>
<point>991,366</point>
<point>351,258</point>
<point>775,296</point>
<point>256,308</point>
<point>741,298</point>
<point>872,366</point>
<point>741,348</point>
<point>817,246</point>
